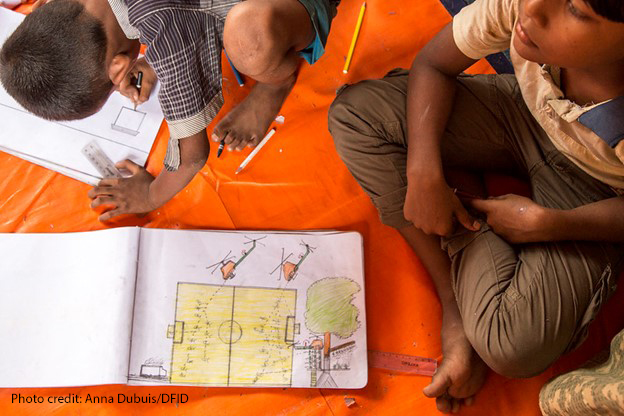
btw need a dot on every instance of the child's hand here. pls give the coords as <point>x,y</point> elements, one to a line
<point>433,208</point>
<point>128,84</point>
<point>515,218</point>
<point>125,195</point>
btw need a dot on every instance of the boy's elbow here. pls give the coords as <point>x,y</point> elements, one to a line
<point>194,151</point>
<point>195,163</point>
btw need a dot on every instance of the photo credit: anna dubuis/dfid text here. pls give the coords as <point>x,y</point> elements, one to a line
<point>120,398</point>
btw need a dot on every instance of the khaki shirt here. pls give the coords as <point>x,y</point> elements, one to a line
<point>486,27</point>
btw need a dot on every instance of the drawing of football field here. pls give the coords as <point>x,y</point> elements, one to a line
<point>233,335</point>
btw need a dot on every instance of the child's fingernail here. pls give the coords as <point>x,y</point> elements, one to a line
<point>476,225</point>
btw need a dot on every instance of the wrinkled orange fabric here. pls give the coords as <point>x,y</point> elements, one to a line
<point>296,182</point>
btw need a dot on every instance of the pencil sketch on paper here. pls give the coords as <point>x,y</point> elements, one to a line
<point>152,369</point>
<point>227,265</point>
<point>288,270</point>
<point>330,311</point>
<point>128,121</point>
<point>233,335</point>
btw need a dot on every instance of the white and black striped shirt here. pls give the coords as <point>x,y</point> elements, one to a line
<point>184,39</point>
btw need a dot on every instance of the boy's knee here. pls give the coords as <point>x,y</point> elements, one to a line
<point>515,355</point>
<point>251,36</point>
<point>339,111</point>
<point>346,116</point>
<point>520,366</point>
<point>351,105</point>
<point>357,116</point>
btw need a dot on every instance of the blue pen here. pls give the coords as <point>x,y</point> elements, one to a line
<point>237,74</point>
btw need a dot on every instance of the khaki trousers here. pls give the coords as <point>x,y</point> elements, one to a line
<point>522,305</point>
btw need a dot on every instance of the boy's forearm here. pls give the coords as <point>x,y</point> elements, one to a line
<point>168,184</point>
<point>599,221</point>
<point>194,152</point>
<point>430,97</point>
<point>429,101</point>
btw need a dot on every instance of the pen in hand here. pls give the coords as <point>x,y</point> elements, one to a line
<point>139,81</point>
<point>221,146</point>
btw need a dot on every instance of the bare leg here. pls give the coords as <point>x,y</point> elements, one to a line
<point>262,38</point>
<point>462,372</point>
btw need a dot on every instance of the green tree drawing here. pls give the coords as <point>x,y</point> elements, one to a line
<point>329,311</point>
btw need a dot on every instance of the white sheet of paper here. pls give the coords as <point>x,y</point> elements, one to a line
<point>66,307</point>
<point>57,146</point>
<point>255,329</point>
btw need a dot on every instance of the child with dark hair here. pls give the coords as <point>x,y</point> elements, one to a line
<point>519,288</point>
<point>60,77</point>
<point>67,56</point>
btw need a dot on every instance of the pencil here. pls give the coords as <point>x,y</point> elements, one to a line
<point>255,151</point>
<point>138,85</point>
<point>355,37</point>
<point>237,74</point>
<point>221,147</point>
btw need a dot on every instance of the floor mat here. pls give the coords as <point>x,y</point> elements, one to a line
<point>296,182</point>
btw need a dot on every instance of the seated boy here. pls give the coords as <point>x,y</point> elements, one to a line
<point>519,289</point>
<point>69,55</point>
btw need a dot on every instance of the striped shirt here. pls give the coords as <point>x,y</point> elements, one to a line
<point>184,39</point>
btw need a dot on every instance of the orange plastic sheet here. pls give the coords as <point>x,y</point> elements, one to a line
<point>296,182</point>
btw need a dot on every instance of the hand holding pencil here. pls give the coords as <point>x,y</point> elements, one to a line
<point>138,83</point>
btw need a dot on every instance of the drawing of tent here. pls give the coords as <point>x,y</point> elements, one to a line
<point>325,380</point>
<point>233,335</point>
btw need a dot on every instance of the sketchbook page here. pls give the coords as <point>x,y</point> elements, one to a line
<point>121,131</point>
<point>66,307</point>
<point>249,309</point>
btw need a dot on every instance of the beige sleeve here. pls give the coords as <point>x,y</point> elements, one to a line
<point>485,27</point>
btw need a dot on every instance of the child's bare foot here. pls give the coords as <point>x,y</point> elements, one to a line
<point>462,371</point>
<point>248,122</point>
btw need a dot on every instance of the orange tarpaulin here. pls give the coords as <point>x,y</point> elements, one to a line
<point>296,182</point>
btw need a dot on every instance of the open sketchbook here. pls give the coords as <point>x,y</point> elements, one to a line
<point>121,131</point>
<point>159,307</point>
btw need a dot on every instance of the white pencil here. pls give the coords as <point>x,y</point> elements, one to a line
<point>256,150</point>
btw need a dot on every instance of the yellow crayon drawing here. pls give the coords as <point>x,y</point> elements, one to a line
<point>233,335</point>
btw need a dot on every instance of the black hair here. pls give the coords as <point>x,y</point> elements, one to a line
<point>54,62</point>
<point>609,9</point>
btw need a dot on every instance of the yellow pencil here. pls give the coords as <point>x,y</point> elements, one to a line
<point>355,36</point>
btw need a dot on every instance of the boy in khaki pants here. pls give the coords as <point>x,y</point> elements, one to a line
<point>519,289</point>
